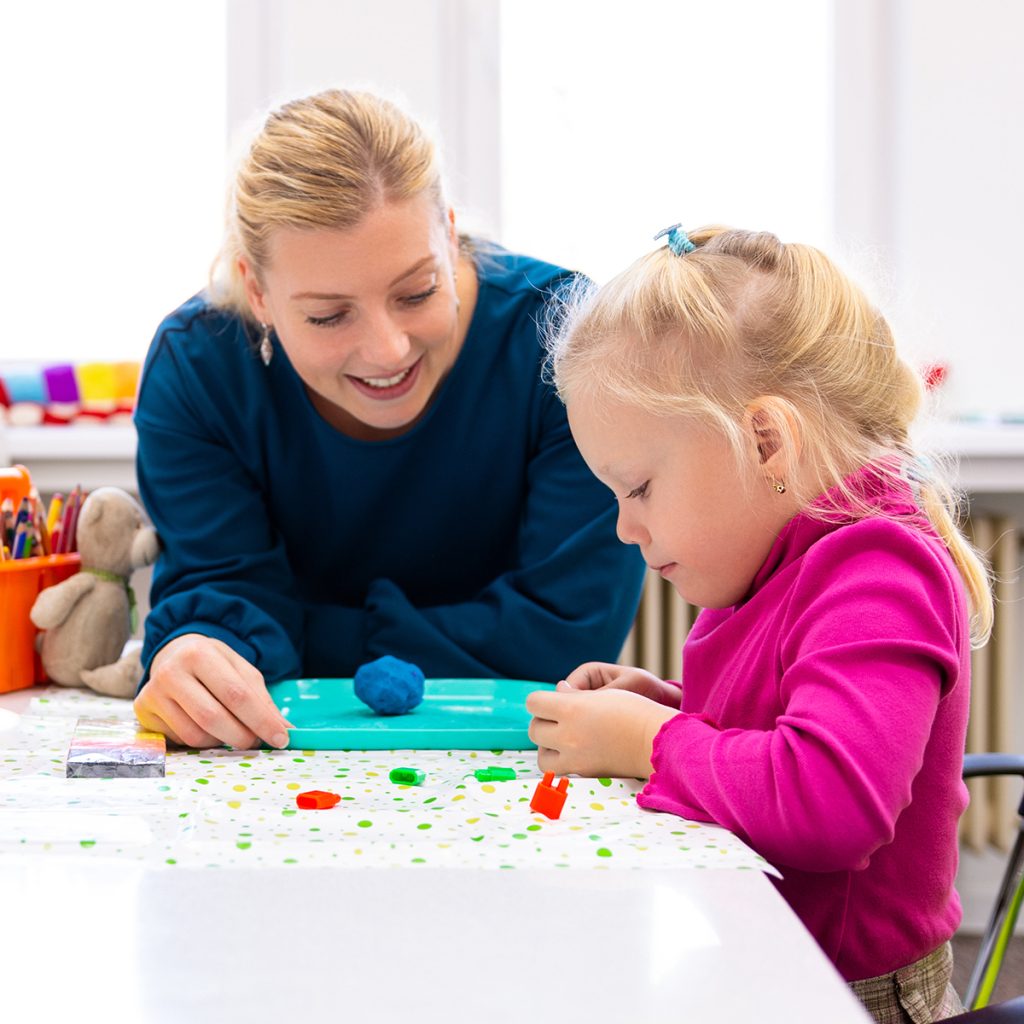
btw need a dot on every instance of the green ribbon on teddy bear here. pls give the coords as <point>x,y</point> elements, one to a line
<point>112,577</point>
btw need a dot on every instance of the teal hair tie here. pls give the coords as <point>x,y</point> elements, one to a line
<point>678,240</point>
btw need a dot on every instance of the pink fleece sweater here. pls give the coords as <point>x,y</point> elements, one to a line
<point>823,721</point>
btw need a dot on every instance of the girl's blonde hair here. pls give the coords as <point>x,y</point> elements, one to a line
<point>323,161</point>
<point>744,317</point>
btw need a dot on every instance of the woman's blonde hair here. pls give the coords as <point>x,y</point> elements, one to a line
<point>744,317</point>
<point>323,161</point>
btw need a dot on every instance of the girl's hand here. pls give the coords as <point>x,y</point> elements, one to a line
<point>595,675</point>
<point>201,693</point>
<point>605,732</point>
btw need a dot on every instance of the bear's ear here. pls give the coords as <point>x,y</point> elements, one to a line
<point>92,511</point>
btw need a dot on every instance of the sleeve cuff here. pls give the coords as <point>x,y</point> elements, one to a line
<point>210,629</point>
<point>681,750</point>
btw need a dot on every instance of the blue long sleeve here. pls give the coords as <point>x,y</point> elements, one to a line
<point>477,543</point>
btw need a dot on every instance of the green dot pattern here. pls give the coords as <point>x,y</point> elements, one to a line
<point>223,808</point>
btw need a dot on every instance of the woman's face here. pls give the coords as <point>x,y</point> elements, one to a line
<point>367,315</point>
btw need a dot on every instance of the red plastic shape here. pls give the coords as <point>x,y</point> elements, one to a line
<point>548,799</point>
<point>317,800</point>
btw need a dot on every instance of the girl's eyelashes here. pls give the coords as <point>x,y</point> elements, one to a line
<point>639,492</point>
<point>336,318</point>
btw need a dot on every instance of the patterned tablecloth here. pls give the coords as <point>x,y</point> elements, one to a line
<point>237,808</point>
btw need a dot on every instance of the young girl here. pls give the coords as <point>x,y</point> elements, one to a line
<point>747,406</point>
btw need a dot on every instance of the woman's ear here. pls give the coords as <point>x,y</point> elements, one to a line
<point>453,234</point>
<point>773,430</point>
<point>253,291</point>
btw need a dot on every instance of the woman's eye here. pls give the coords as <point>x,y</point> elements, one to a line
<point>326,321</point>
<point>415,300</point>
<point>639,492</point>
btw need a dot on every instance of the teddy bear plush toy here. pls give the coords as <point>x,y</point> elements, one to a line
<point>88,618</point>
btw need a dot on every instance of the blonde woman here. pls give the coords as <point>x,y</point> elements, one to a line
<point>347,448</point>
<point>748,408</point>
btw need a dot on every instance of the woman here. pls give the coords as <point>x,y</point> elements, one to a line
<point>348,450</point>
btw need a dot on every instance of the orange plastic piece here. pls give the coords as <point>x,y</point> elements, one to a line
<point>316,800</point>
<point>15,483</point>
<point>547,799</point>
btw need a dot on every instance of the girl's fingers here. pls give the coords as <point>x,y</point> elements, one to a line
<point>589,676</point>
<point>544,704</point>
<point>542,733</point>
<point>549,761</point>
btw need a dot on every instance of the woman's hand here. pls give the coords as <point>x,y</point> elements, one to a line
<point>604,732</point>
<point>201,693</point>
<point>595,675</point>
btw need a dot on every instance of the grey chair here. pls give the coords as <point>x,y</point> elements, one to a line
<point>1003,918</point>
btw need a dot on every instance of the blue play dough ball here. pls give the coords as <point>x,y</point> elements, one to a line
<point>389,685</point>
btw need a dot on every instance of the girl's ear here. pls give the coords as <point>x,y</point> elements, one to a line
<point>773,429</point>
<point>253,290</point>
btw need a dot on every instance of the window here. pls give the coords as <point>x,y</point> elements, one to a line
<point>113,172</point>
<point>619,120</point>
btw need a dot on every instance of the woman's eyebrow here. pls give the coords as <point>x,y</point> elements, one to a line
<point>412,270</point>
<point>337,295</point>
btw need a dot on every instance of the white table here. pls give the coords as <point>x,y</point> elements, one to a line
<point>131,942</point>
<point>412,946</point>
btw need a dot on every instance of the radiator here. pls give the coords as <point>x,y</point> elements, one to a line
<point>991,817</point>
<point>664,618</point>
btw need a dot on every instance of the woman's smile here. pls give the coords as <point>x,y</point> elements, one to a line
<point>384,388</point>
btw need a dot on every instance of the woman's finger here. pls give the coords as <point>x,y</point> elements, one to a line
<point>188,732</point>
<point>212,718</point>
<point>244,704</point>
<point>165,716</point>
<point>254,677</point>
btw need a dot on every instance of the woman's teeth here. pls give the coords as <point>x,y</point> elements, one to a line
<point>386,382</point>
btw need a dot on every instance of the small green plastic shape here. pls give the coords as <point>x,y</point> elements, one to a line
<point>495,774</point>
<point>407,776</point>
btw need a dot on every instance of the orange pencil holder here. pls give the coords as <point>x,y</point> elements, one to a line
<point>21,581</point>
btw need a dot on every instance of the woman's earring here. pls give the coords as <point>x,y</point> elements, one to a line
<point>266,345</point>
<point>779,485</point>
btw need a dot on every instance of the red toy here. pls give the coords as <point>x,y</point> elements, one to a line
<point>935,375</point>
<point>316,800</point>
<point>548,800</point>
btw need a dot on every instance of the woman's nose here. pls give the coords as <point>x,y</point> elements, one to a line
<point>385,344</point>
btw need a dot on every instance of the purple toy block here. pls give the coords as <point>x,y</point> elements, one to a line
<point>60,383</point>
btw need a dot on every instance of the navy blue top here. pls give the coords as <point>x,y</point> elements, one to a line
<point>475,544</point>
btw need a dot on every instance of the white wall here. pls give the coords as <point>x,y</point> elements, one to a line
<point>930,159</point>
<point>618,122</point>
<point>438,59</point>
<point>928,149</point>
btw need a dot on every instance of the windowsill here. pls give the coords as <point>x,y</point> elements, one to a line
<point>990,455</point>
<point>61,457</point>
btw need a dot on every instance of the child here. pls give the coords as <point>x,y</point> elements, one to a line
<point>747,406</point>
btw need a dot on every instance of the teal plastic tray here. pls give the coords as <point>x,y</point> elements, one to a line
<point>456,714</point>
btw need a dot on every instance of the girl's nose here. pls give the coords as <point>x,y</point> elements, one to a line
<point>629,530</point>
